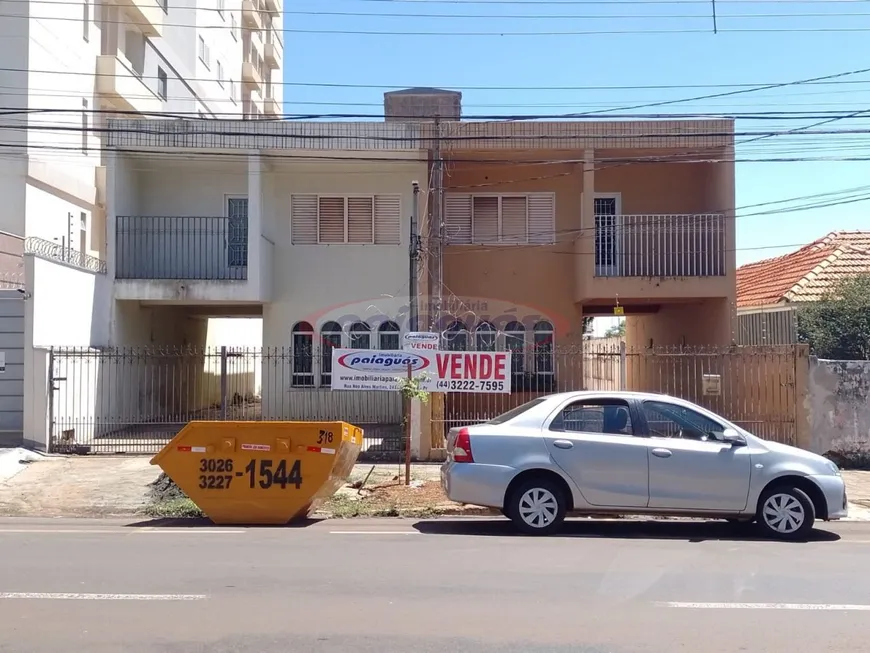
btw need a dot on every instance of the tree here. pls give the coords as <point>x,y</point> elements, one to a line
<point>617,330</point>
<point>587,325</point>
<point>838,326</point>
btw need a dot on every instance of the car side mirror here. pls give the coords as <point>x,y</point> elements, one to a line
<point>732,437</point>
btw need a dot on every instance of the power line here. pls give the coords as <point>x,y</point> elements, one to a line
<point>759,30</point>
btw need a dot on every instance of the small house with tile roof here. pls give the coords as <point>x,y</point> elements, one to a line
<point>769,291</point>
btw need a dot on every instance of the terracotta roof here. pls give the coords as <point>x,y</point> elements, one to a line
<point>807,274</point>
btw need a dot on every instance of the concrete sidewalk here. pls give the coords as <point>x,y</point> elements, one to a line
<point>103,486</point>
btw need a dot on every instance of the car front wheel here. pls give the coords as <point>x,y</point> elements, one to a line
<point>786,513</point>
<point>537,507</point>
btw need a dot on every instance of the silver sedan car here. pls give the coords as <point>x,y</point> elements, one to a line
<point>636,453</point>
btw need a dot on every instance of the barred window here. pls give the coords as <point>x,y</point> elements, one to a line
<point>302,343</point>
<point>330,338</point>
<point>388,336</point>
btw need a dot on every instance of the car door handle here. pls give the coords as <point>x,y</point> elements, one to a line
<point>563,444</point>
<point>662,453</point>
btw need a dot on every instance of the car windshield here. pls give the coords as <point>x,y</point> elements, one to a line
<point>515,412</point>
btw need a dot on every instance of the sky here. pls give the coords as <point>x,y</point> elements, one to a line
<point>624,44</point>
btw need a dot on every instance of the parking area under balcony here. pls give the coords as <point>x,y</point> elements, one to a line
<point>652,256</point>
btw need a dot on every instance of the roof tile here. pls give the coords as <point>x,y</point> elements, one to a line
<point>807,274</point>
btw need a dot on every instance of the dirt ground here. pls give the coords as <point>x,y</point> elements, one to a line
<point>109,486</point>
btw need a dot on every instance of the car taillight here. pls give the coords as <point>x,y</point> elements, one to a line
<point>462,447</point>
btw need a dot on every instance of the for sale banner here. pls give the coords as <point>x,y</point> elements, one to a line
<point>435,371</point>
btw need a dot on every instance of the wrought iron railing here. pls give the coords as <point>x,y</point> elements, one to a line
<point>64,253</point>
<point>660,245</point>
<point>195,248</point>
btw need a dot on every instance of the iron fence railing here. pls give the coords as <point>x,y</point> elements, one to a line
<point>186,248</point>
<point>660,245</point>
<point>134,399</point>
<point>63,253</point>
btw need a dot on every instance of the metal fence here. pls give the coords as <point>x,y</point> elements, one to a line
<point>756,385</point>
<point>135,399</point>
<point>164,247</point>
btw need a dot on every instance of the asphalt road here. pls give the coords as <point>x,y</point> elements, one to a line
<point>420,587</point>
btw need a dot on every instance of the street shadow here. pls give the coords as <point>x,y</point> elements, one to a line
<point>204,522</point>
<point>658,529</point>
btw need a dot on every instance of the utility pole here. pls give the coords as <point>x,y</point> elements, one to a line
<point>413,258</point>
<point>439,231</point>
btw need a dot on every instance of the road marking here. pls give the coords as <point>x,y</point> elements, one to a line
<point>101,597</point>
<point>766,606</point>
<point>374,532</point>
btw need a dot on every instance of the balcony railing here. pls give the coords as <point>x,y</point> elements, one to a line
<point>660,245</point>
<point>183,248</point>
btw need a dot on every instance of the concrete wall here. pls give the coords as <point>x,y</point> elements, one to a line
<point>838,406</point>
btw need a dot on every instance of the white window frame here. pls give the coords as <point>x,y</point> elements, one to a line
<point>204,53</point>
<point>219,72</point>
<point>346,216</point>
<point>221,7</point>
<point>617,222</point>
<point>499,242</point>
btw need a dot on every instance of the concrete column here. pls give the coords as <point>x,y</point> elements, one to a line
<point>256,264</point>
<point>112,187</point>
<point>727,201</point>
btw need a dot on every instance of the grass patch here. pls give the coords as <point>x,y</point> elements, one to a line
<point>174,508</point>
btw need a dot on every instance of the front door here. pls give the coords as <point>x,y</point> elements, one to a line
<point>593,441</point>
<point>689,469</point>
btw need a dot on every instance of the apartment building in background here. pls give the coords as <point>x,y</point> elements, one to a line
<point>71,66</point>
<point>68,68</point>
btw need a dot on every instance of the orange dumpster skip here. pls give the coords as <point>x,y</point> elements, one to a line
<point>260,472</point>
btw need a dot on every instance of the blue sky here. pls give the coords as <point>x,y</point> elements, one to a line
<point>680,58</point>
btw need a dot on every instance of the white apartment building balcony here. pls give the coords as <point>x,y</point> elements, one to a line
<point>120,84</point>
<point>146,14</point>
<point>251,14</point>
<point>252,65</point>
<point>273,6</point>
<point>273,108</point>
<point>273,50</point>
<point>169,244</point>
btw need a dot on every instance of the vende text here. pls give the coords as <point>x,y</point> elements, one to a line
<point>472,366</point>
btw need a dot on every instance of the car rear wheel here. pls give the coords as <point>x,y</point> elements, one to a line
<point>537,507</point>
<point>786,513</point>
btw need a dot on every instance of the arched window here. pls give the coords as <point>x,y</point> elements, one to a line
<point>515,343</point>
<point>388,336</point>
<point>330,338</point>
<point>302,351</point>
<point>360,336</point>
<point>484,337</point>
<point>544,348</point>
<point>456,337</point>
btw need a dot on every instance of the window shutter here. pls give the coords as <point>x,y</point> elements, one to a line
<point>484,224</point>
<point>388,219</point>
<point>360,220</point>
<point>331,220</point>
<point>303,219</point>
<point>514,225</point>
<point>542,218</point>
<point>457,218</point>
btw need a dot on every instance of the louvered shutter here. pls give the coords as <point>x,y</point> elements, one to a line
<point>514,227</point>
<point>388,219</point>
<point>457,218</point>
<point>542,218</point>
<point>484,222</point>
<point>360,220</point>
<point>331,220</point>
<point>303,219</point>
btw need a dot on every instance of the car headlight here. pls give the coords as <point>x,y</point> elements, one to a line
<point>833,468</point>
